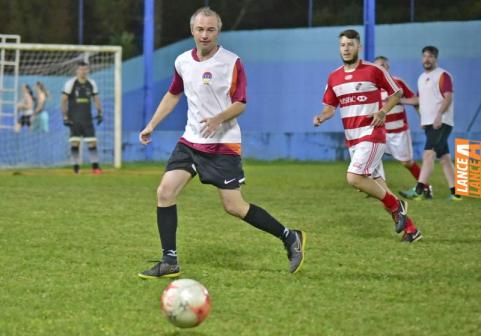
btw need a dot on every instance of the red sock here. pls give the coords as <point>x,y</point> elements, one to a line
<point>415,170</point>
<point>410,228</point>
<point>390,202</point>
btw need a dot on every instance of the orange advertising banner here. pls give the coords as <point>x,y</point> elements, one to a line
<point>467,164</point>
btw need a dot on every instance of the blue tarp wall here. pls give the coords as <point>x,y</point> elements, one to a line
<point>287,71</point>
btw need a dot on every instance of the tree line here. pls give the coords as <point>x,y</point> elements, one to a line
<point>120,22</point>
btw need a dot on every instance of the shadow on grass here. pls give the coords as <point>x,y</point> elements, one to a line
<point>186,333</point>
<point>233,259</point>
<point>454,241</point>
<point>361,276</point>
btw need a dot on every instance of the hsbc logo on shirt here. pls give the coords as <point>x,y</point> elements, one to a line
<point>347,100</point>
<point>352,100</point>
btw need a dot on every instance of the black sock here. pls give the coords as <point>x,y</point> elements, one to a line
<point>420,188</point>
<point>453,191</point>
<point>262,220</point>
<point>76,168</point>
<point>167,225</point>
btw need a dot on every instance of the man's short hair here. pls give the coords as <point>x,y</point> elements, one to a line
<point>382,58</point>
<point>432,50</point>
<point>82,63</point>
<point>206,11</point>
<point>350,34</point>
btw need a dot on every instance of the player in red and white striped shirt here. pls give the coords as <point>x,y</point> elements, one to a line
<point>356,88</point>
<point>398,135</point>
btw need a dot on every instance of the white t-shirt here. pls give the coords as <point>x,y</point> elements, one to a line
<point>432,87</point>
<point>208,86</point>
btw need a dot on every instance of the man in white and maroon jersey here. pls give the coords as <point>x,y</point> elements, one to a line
<point>436,109</point>
<point>398,135</point>
<point>356,88</point>
<point>214,82</point>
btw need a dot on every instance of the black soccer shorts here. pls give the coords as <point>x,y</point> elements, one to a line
<point>437,139</point>
<point>78,130</point>
<point>25,120</point>
<point>220,170</point>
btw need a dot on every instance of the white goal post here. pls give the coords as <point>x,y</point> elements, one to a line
<point>53,65</point>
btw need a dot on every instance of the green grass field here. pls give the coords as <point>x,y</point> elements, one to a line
<point>71,247</point>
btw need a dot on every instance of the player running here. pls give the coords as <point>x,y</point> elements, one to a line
<point>214,82</point>
<point>398,135</point>
<point>356,88</point>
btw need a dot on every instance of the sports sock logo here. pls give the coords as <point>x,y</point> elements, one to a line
<point>468,168</point>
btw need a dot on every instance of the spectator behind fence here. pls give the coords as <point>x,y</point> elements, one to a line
<point>40,117</point>
<point>25,108</point>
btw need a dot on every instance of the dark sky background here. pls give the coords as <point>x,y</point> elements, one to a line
<point>121,21</point>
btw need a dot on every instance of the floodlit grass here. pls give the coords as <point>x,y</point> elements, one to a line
<point>71,247</point>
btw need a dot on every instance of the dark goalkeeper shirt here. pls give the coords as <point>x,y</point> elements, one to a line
<point>80,99</point>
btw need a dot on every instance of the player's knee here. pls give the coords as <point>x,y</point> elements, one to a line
<point>92,144</point>
<point>407,164</point>
<point>429,155</point>
<point>165,194</point>
<point>353,180</point>
<point>234,209</point>
<point>445,158</point>
<point>74,148</point>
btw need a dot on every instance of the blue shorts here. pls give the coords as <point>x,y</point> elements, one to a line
<point>40,122</point>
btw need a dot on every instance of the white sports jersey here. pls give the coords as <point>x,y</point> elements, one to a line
<point>207,86</point>
<point>431,88</point>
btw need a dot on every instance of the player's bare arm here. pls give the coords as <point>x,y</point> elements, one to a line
<point>64,106</point>
<point>379,117</point>
<point>414,101</point>
<point>40,104</point>
<point>166,106</point>
<point>210,125</point>
<point>448,98</point>
<point>98,104</point>
<point>326,114</point>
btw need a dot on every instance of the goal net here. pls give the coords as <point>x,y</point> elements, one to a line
<point>53,65</point>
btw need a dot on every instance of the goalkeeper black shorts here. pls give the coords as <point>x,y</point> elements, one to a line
<point>82,130</point>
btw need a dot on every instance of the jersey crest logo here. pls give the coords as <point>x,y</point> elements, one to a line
<point>206,77</point>
<point>348,77</point>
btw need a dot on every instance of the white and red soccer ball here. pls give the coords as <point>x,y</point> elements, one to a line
<point>185,302</point>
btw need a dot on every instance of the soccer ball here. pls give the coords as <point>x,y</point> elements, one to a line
<point>185,302</point>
